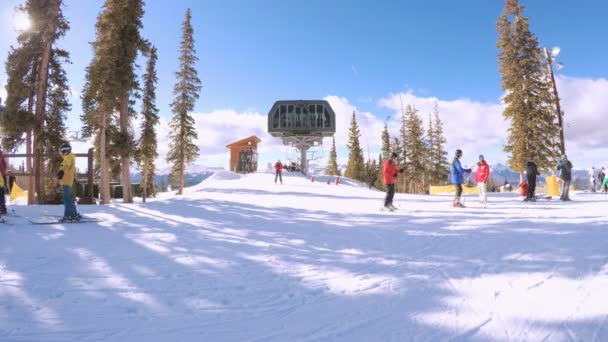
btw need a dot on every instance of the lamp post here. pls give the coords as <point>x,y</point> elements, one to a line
<point>550,57</point>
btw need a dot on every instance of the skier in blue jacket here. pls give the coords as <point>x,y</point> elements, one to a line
<point>457,175</point>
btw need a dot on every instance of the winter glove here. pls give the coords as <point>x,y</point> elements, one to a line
<point>60,174</point>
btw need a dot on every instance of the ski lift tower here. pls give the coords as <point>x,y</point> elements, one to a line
<point>302,124</point>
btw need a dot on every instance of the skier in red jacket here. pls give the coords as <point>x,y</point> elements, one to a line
<point>278,171</point>
<point>481,177</point>
<point>389,172</point>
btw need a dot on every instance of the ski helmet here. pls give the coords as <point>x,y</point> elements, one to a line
<point>458,153</point>
<point>65,148</point>
<point>481,157</point>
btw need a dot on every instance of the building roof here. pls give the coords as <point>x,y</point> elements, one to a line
<point>244,141</point>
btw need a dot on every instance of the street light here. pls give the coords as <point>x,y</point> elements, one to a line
<point>550,57</point>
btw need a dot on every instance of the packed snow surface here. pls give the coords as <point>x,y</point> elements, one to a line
<point>240,258</point>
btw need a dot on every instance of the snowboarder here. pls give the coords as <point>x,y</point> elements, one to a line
<point>482,175</point>
<point>564,167</point>
<point>592,179</point>
<point>457,175</point>
<point>532,172</point>
<point>3,182</point>
<point>278,171</point>
<point>389,172</point>
<point>600,177</point>
<point>66,175</point>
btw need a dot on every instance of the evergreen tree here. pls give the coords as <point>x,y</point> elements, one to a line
<point>54,131</point>
<point>148,142</point>
<point>355,168</point>
<point>386,144</point>
<point>36,104</point>
<point>438,154</point>
<point>332,164</point>
<point>415,151</point>
<point>110,79</point>
<point>182,147</point>
<point>379,183</point>
<point>534,132</point>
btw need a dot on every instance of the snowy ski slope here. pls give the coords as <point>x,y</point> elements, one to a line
<point>239,258</point>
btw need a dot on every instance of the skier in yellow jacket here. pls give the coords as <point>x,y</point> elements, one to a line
<point>66,175</point>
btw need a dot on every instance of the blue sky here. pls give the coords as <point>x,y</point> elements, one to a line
<point>359,54</point>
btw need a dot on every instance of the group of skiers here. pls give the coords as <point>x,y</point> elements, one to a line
<point>602,180</point>
<point>482,174</point>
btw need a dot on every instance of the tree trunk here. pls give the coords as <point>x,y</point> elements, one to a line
<point>28,163</point>
<point>41,100</point>
<point>127,193</point>
<point>104,188</point>
<point>182,172</point>
<point>144,181</point>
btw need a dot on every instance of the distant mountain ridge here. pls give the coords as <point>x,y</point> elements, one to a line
<point>194,175</point>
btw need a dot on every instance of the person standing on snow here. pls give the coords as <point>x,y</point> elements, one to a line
<point>278,171</point>
<point>600,178</point>
<point>389,172</point>
<point>564,167</point>
<point>592,179</point>
<point>482,175</point>
<point>532,172</point>
<point>67,175</point>
<point>457,176</point>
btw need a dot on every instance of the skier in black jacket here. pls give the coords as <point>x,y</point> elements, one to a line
<point>532,172</point>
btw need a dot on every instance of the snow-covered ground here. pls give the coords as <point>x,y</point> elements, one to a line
<point>239,258</point>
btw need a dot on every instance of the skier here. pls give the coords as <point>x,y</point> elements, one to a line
<point>592,179</point>
<point>565,169</point>
<point>457,175</point>
<point>66,175</point>
<point>3,182</point>
<point>481,176</point>
<point>389,172</point>
<point>532,172</point>
<point>600,177</point>
<point>278,170</point>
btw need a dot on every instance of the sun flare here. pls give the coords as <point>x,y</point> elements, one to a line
<point>21,22</point>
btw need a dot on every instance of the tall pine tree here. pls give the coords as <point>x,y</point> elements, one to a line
<point>332,164</point>
<point>147,142</point>
<point>415,151</point>
<point>182,147</point>
<point>355,168</point>
<point>438,154</point>
<point>534,132</point>
<point>110,79</point>
<point>37,89</point>
<point>386,143</point>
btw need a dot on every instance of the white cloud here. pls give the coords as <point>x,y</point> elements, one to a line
<point>218,128</point>
<point>585,105</point>
<point>3,93</point>
<point>479,128</point>
<point>370,127</point>
<point>475,127</point>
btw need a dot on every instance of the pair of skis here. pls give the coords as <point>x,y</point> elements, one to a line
<point>52,219</point>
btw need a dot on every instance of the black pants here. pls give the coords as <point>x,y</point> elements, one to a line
<point>390,193</point>
<point>2,201</point>
<point>279,176</point>
<point>458,190</point>
<point>531,188</point>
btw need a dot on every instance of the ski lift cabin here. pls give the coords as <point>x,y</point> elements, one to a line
<point>302,124</point>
